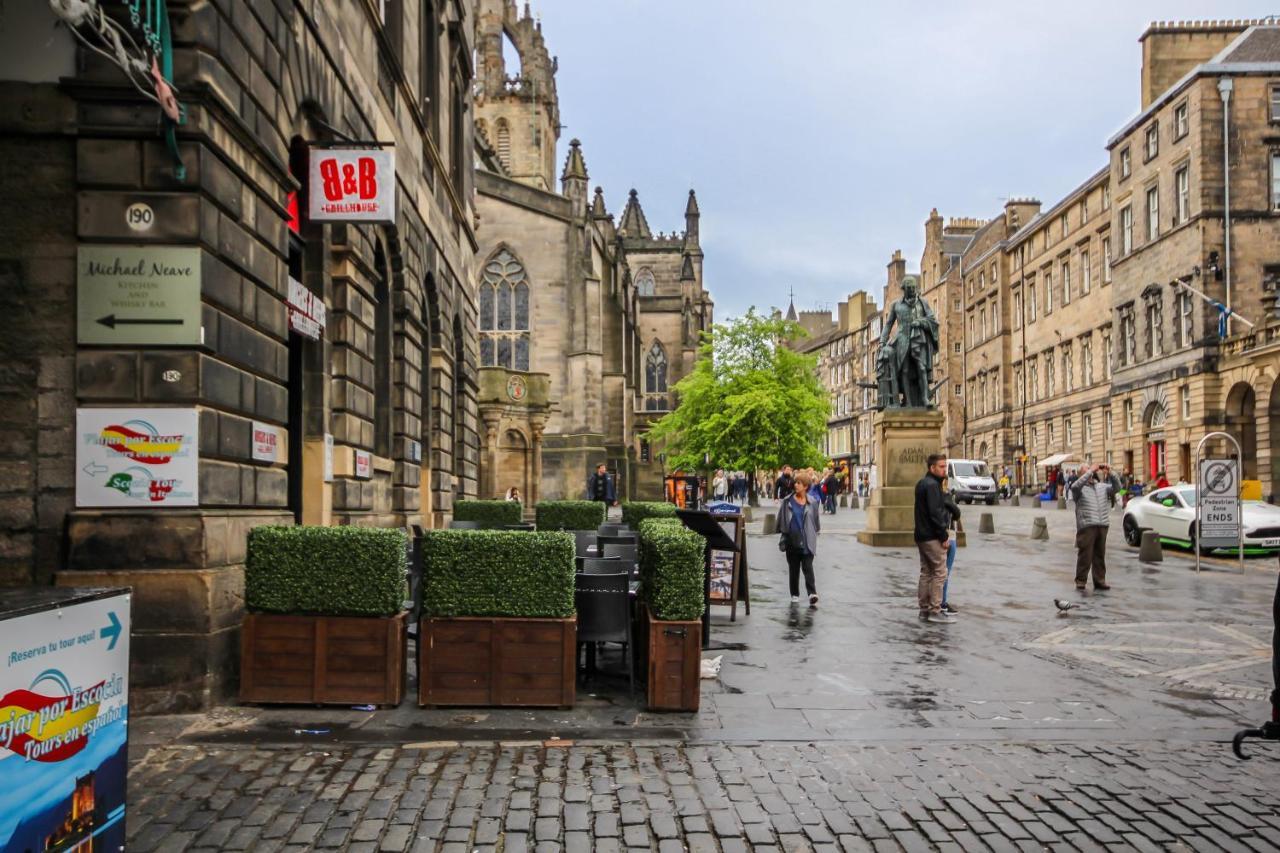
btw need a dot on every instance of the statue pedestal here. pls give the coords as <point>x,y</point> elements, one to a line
<point>904,440</point>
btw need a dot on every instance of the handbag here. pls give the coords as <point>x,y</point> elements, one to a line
<point>791,538</point>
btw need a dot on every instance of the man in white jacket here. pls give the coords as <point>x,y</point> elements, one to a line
<point>1094,492</point>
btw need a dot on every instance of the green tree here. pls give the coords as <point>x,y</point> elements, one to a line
<point>750,404</point>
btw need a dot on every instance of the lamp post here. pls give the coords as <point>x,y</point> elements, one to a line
<point>1225,85</point>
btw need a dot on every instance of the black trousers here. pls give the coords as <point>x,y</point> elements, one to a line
<point>1275,656</point>
<point>797,559</point>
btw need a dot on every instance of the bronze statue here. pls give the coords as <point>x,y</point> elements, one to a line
<point>911,352</point>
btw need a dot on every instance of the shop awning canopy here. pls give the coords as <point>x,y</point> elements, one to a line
<point>1056,459</point>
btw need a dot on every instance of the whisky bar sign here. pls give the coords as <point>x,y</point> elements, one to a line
<point>128,295</point>
<point>352,185</point>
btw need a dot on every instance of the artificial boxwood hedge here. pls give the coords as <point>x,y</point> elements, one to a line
<point>570,515</point>
<point>497,573</point>
<point>634,512</point>
<point>671,570</point>
<point>489,513</point>
<point>326,571</point>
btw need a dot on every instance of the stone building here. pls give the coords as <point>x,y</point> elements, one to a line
<point>585,324</point>
<point>167,287</point>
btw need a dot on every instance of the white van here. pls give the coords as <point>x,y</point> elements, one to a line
<point>970,480</point>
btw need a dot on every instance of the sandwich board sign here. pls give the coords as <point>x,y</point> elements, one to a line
<point>1219,503</point>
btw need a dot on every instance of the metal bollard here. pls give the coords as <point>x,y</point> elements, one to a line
<point>1151,551</point>
<point>986,523</point>
<point>844,500</point>
<point>1017,501</point>
<point>1040,528</point>
<point>1062,503</point>
<point>770,524</point>
<point>1036,502</point>
<point>746,514</point>
<point>853,502</point>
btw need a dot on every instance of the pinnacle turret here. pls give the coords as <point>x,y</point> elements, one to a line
<point>633,222</point>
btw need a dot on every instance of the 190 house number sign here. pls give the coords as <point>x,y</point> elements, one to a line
<point>352,185</point>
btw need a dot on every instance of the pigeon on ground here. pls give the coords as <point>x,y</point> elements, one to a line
<point>1064,606</point>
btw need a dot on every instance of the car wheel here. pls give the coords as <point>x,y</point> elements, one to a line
<point>1132,532</point>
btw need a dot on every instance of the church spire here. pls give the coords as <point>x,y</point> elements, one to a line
<point>691,216</point>
<point>598,208</point>
<point>633,223</point>
<point>791,307</point>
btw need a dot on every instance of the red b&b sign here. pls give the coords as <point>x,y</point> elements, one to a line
<point>353,185</point>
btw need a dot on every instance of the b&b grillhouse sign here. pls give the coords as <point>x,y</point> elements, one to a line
<point>352,185</point>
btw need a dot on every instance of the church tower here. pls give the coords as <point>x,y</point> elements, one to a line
<point>517,107</point>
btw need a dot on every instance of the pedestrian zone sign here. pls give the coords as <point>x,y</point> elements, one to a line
<point>1219,503</point>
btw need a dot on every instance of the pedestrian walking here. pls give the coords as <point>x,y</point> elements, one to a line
<point>1094,492</point>
<point>932,536</point>
<point>600,488</point>
<point>782,487</point>
<point>719,486</point>
<point>799,526</point>
<point>953,509</point>
<point>831,486</point>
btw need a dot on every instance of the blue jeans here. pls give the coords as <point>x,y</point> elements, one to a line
<point>951,561</point>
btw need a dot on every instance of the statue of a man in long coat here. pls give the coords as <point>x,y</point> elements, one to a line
<point>913,347</point>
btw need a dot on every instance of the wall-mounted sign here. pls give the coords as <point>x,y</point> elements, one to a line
<point>138,295</point>
<point>307,313</point>
<point>517,389</point>
<point>266,442</point>
<point>328,458</point>
<point>364,464</point>
<point>64,707</point>
<point>145,457</point>
<point>352,185</point>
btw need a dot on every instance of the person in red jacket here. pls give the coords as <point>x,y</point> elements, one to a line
<point>1162,482</point>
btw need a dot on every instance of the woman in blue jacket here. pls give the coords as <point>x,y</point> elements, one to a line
<point>798,526</point>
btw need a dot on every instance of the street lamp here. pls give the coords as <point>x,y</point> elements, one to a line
<point>1225,85</point>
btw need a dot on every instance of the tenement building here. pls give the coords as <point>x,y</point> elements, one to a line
<point>585,324</point>
<point>247,298</point>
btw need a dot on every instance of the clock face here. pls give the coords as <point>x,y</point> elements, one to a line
<point>516,388</point>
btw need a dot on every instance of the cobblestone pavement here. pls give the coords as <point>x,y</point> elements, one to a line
<point>665,797</point>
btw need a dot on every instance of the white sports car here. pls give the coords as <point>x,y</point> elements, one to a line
<point>1171,513</point>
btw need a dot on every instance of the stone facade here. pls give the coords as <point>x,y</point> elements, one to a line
<point>611,315</point>
<point>394,375</point>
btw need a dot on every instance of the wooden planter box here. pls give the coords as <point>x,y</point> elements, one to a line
<point>327,660</point>
<point>511,662</point>
<point>675,664</point>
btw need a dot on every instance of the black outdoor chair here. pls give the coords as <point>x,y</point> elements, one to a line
<point>524,525</point>
<point>617,539</point>
<point>602,566</point>
<point>464,525</point>
<point>613,528</point>
<point>584,542</point>
<point>626,553</point>
<point>604,613</point>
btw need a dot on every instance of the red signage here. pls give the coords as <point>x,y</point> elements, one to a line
<point>352,185</point>
<point>307,313</point>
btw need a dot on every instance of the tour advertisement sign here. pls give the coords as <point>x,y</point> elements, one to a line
<point>138,295</point>
<point>140,457</point>
<point>352,185</point>
<point>64,701</point>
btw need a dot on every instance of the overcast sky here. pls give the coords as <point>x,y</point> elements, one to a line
<point>819,133</point>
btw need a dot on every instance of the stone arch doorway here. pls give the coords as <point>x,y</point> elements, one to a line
<point>1153,421</point>
<point>1242,422</point>
<point>515,465</point>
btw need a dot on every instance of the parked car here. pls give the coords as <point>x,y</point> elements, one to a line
<point>970,480</point>
<point>1171,513</point>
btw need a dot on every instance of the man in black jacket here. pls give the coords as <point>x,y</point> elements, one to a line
<point>931,534</point>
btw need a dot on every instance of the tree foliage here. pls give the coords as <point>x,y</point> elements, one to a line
<point>750,404</point>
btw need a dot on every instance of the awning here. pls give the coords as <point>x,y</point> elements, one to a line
<point>1056,459</point>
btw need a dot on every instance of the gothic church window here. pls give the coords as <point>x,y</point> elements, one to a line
<point>504,313</point>
<point>504,143</point>
<point>645,285</point>
<point>655,378</point>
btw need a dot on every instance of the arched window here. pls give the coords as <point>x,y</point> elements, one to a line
<point>504,143</point>
<point>504,313</point>
<point>645,285</point>
<point>655,378</point>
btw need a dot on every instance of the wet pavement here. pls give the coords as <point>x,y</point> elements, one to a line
<point>1129,699</point>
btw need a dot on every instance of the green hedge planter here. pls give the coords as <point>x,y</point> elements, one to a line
<point>634,512</point>
<point>497,573</point>
<point>671,570</point>
<point>490,514</point>
<point>326,571</point>
<point>570,515</point>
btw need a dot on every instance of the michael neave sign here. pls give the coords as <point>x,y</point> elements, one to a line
<point>138,295</point>
<point>1218,510</point>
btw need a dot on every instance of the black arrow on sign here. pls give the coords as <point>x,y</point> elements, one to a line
<point>111,321</point>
